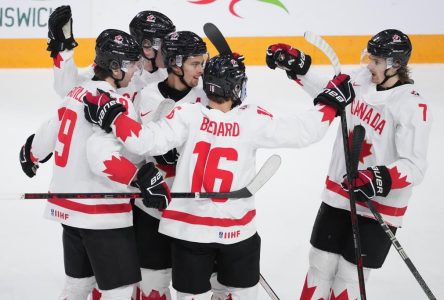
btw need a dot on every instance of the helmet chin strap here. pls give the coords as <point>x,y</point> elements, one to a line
<point>117,81</point>
<point>152,60</point>
<point>181,77</point>
<point>387,77</point>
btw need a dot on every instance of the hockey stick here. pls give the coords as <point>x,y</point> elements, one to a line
<point>268,288</point>
<point>321,44</point>
<point>401,251</point>
<point>351,165</point>
<point>164,108</point>
<point>216,38</point>
<point>265,173</point>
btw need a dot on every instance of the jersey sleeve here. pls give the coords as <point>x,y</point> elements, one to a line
<point>412,140</point>
<point>105,158</point>
<point>46,136</point>
<point>297,130</point>
<point>314,81</point>
<point>66,73</point>
<point>154,138</point>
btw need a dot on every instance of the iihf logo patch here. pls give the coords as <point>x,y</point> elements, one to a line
<point>221,235</point>
<point>151,18</point>
<point>118,39</point>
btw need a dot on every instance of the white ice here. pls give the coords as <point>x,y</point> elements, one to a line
<point>31,258</point>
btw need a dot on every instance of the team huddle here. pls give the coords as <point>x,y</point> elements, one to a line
<point>155,114</point>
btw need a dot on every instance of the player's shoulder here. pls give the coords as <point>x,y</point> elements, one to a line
<point>256,111</point>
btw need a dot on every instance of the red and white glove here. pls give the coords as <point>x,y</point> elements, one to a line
<point>374,181</point>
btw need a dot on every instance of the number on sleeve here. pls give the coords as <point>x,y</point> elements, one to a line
<point>424,111</point>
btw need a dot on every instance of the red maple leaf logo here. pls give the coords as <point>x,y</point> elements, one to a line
<point>126,127</point>
<point>57,60</point>
<point>398,182</point>
<point>341,296</point>
<point>329,113</point>
<point>153,295</point>
<point>365,150</point>
<point>307,292</point>
<point>119,169</point>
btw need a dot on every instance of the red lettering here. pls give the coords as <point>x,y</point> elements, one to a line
<point>204,124</point>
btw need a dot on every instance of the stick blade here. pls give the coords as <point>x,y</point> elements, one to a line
<point>164,108</point>
<point>322,44</point>
<point>216,38</point>
<point>265,173</point>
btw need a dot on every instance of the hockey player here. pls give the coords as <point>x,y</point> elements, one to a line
<point>393,160</point>
<point>184,55</point>
<point>218,143</point>
<point>98,239</point>
<point>148,27</point>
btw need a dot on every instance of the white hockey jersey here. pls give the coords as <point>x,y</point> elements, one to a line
<point>146,106</point>
<point>67,136</point>
<point>397,123</point>
<point>218,153</point>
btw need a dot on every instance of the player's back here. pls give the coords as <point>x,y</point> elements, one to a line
<point>72,172</point>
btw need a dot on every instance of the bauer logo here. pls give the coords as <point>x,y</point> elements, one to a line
<point>229,234</point>
<point>232,6</point>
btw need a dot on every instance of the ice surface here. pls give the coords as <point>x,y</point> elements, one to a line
<point>31,261</point>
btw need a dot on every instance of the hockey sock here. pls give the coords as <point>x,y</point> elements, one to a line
<point>346,284</point>
<point>77,288</point>
<point>120,293</point>
<point>155,284</point>
<point>322,270</point>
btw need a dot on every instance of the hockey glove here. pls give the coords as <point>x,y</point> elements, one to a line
<point>338,93</point>
<point>169,158</point>
<point>293,61</point>
<point>60,35</point>
<point>28,162</point>
<point>156,193</point>
<point>375,181</point>
<point>102,109</point>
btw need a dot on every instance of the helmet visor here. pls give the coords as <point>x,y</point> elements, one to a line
<point>135,67</point>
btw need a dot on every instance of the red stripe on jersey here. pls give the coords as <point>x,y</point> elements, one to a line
<point>381,208</point>
<point>208,221</point>
<point>92,208</point>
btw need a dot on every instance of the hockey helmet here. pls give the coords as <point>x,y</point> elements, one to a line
<point>150,27</point>
<point>224,76</point>
<point>178,46</point>
<point>115,49</point>
<point>391,44</point>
